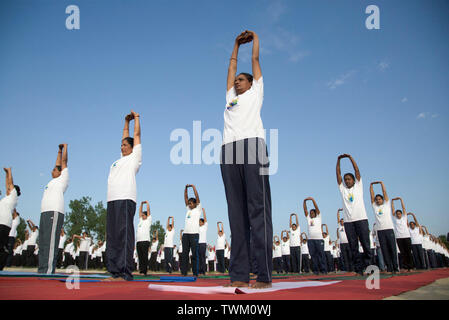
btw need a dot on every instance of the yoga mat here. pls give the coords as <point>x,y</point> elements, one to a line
<point>229,290</point>
<point>42,275</point>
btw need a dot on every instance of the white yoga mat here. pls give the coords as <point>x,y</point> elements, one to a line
<point>220,289</point>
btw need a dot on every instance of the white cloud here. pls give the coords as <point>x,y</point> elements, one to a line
<point>435,115</point>
<point>422,115</point>
<point>340,80</point>
<point>383,65</point>
<point>426,115</point>
<point>403,100</point>
<point>41,174</point>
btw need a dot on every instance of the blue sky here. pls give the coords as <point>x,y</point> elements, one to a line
<point>331,87</point>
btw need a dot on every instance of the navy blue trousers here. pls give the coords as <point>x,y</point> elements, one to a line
<point>316,249</point>
<point>120,238</point>
<point>244,166</point>
<point>359,231</point>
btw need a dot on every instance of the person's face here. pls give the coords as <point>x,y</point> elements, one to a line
<point>399,214</point>
<point>220,233</point>
<point>278,243</point>
<point>55,173</point>
<point>379,201</point>
<point>192,205</point>
<point>144,216</point>
<point>201,223</point>
<point>412,225</point>
<point>324,234</point>
<point>312,214</point>
<point>349,181</point>
<point>342,222</point>
<point>169,228</point>
<point>126,148</point>
<point>241,84</point>
<point>285,239</point>
<point>294,227</point>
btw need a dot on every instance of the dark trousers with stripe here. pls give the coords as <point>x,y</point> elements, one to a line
<point>120,238</point>
<point>59,258</point>
<point>50,226</point>
<point>202,256</point>
<point>11,241</point>
<point>405,247</point>
<point>68,261</point>
<point>190,242</point>
<point>4,235</point>
<point>168,254</point>
<point>418,256</point>
<point>244,169</point>
<point>387,243</point>
<point>153,259</point>
<point>277,264</point>
<point>142,253</point>
<point>295,255</point>
<point>359,231</point>
<point>30,260</point>
<point>330,261</point>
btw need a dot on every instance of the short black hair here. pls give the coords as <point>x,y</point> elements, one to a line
<point>193,200</point>
<point>130,141</point>
<point>349,174</point>
<point>379,195</point>
<point>202,220</point>
<point>17,189</point>
<point>248,76</point>
<point>59,168</point>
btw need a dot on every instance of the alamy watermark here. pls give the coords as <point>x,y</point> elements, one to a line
<point>189,149</point>
<point>73,281</point>
<point>373,280</point>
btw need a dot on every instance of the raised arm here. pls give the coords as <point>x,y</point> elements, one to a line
<point>315,205</point>
<point>257,72</point>
<point>232,69</point>
<point>371,191</point>
<point>338,236</point>
<point>414,217</point>
<point>136,118</point>
<point>338,215</point>
<point>186,195</point>
<point>141,209</point>
<point>168,223</point>
<point>306,211</point>
<point>31,224</point>
<point>64,157</point>
<point>9,181</point>
<point>325,226</point>
<point>339,178</point>
<point>196,194</point>
<point>128,118</point>
<point>305,235</point>
<point>148,208</point>
<point>384,191</point>
<point>204,215</point>
<point>356,168</point>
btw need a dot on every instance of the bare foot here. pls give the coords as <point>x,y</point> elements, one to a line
<point>237,284</point>
<point>261,285</point>
<point>110,279</point>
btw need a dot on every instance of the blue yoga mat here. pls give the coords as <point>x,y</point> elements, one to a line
<point>55,275</point>
<point>162,279</point>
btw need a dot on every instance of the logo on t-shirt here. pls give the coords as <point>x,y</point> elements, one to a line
<point>232,104</point>
<point>380,212</point>
<point>114,164</point>
<point>351,197</point>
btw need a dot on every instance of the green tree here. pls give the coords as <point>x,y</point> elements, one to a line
<point>85,217</point>
<point>21,230</point>
<point>444,240</point>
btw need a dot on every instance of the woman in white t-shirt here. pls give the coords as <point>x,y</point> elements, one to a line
<point>121,207</point>
<point>277,255</point>
<point>384,227</point>
<point>285,249</point>
<point>346,254</point>
<point>202,244</point>
<point>245,169</point>
<point>402,233</point>
<point>211,259</point>
<point>168,244</point>
<point>191,234</point>
<point>85,242</point>
<point>315,240</point>
<point>143,236</point>
<point>153,251</point>
<point>220,248</point>
<point>7,206</point>
<point>52,213</point>
<point>356,220</point>
<point>305,257</point>
<point>416,235</point>
<point>32,242</point>
<point>295,244</point>
<point>327,248</point>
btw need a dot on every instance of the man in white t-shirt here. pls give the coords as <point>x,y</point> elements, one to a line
<point>32,242</point>
<point>168,244</point>
<point>7,206</point>
<point>402,233</point>
<point>202,244</point>
<point>153,251</point>
<point>121,207</point>
<point>245,172</point>
<point>62,238</point>
<point>190,236</point>
<point>143,237</point>
<point>85,242</point>
<point>295,244</point>
<point>315,241</point>
<point>356,220</point>
<point>305,257</point>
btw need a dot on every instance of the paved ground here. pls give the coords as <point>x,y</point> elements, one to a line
<point>439,290</point>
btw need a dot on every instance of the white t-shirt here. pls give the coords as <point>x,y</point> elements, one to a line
<point>7,205</point>
<point>371,241</point>
<point>242,120</point>
<point>304,248</point>
<point>342,234</point>
<point>33,238</point>
<point>15,223</point>
<point>285,248</point>
<point>168,240</point>
<point>221,241</point>
<point>277,251</point>
<point>25,245</point>
<point>401,229</point>
<point>203,233</point>
<point>53,198</point>
<point>425,242</point>
<point>416,236</point>
<point>143,229</point>
<point>122,176</point>
<point>353,204</point>
<point>61,241</point>
<point>211,255</point>
<point>154,246</point>
<point>383,216</point>
<point>227,253</point>
<point>192,221</point>
<point>327,246</point>
<point>84,244</point>
<point>314,226</point>
<point>295,237</point>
